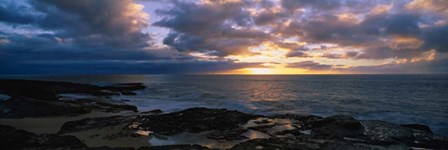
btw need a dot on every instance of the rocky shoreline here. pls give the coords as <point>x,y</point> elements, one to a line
<point>194,128</point>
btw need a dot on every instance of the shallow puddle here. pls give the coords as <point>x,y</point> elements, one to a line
<point>193,138</point>
<point>268,129</point>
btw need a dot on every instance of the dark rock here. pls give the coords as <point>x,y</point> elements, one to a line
<point>49,90</point>
<point>41,98</point>
<point>228,135</point>
<point>152,112</point>
<point>337,127</point>
<point>418,127</point>
<point>46,90</point>
<point>110,148</point>
<point>297,143</point>
<point>175,147</point>
<point>384,131</point>
<point>272,144</point>
<point>194,120</point>
<point>11,138</point>
<point>335,132</point>
<point>93,123</point>
<point>29,107</point>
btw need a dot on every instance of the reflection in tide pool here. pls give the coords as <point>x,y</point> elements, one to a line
<point>259,128</point>
<point>193,138</point>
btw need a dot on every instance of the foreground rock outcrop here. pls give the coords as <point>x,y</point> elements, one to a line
<point>246,131</point>
<point>11,138</point>
<point>45,98</point>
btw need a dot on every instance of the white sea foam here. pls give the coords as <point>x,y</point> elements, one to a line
<point>4,97</point>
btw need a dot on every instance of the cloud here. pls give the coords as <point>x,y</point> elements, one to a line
<point>435,6</point>
<point>9,14</point>
<point>119,67</point>
<point>321,4</point>
<point>214,28</point>
<point>309,65</point>
<point>436,38</point>
<point>299,33</point>
<point>296,54</point>
<point>97,22</point>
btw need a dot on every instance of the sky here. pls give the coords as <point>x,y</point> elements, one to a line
<point>223,37</point>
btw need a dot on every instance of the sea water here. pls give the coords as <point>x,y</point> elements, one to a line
<point>402,99</point>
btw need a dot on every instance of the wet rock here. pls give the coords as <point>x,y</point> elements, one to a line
<point>19,107</point>
<point>46,90</point>
<point>152,112</point>
<point>380,131</point>
<point>49,90</point>
<point>175,147</point>
<point>298,143</point>
<point>418,127</point>
<point>194,120</point>
<point>94,123</point>
<point>337,127</point>
<point>11,138</point>
<point>110,148</point>
<point>43,98</point>
<point>344,145</point>
<point>279,132</point>
<point>384,131</point>
<point>228,135</point>
<point>272,144</point>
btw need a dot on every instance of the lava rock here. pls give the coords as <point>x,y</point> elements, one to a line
<point>152,112</point>
<point>337,127</point>
<point>418,127</point>
<point>93,123</point>
<point>384,131</point>
<point>49,90</point>
<point>11,138</point>
<point>194,120</point>
<point>175,147</point>
<point>19,107</point>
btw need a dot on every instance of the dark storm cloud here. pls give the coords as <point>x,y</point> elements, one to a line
<point>319,4</point>
<point>436,38</point>
<point>387,52</point>
<point>330,29</point>
<point>101,36</point>
<point>268,17</point>
<point>10,14</point>
<point>208,28</point>
<point>296,54</point>
<point>117,23</point>
<point>309,65</point>
<point>404,24</point>
<point>120,67</point>
<point>85,23</point>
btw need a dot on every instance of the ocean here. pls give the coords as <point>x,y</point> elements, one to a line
<point>403,99</point>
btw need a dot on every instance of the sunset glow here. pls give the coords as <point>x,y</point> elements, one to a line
<point>224,37</point>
